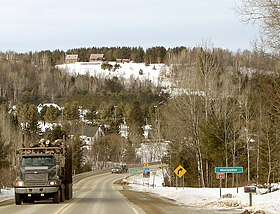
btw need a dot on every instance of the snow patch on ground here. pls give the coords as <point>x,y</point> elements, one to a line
<point>206,197</point>
<point>6,194</point>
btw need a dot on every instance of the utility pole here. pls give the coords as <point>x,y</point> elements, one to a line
<point>248,155</point>
<point>258,159</point>
<point>158,137</point>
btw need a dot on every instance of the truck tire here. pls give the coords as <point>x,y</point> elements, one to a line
<point>56,197</point>
<point>62,193</point>
<point>18,199</point>
<point>68,191</point>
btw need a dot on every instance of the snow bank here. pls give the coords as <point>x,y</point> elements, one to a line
<point>6,194</point>
<point>206,197</point>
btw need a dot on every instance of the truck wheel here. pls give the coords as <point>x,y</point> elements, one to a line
<point>62,193</point>
<point>18,199</point>
<point>56,197</point>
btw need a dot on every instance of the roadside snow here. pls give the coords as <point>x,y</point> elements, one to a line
<point>6,194</point>
<point>206,197</point>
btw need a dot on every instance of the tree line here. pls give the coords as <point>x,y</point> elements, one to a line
<point>158,54</point>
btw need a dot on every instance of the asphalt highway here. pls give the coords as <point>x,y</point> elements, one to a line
<point>101,194</point>
<point>94,195</point>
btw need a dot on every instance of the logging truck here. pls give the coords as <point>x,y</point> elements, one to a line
<point>44,171</point>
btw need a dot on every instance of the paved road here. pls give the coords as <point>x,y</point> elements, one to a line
<point>98,195</point>
<point>94,195</point>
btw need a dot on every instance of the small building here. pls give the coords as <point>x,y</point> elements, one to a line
<point>90,134</point>
<point>96,57</point>
<point>123,129</point>
<point>71,58</point>
<point>147,128</point>
<point>122,60</point>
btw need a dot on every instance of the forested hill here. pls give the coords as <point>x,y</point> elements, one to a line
<point>32,78</point>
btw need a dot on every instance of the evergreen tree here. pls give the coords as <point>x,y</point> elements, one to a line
<point>113,85</point>
<point>71,111</point>
<point>51,114</point>
<point>92,113</point>
<point>136,114</point>
<point>4,151</point>
<point>213,141</point>
<point>77,155</point>
<point>28,116</point>
<point>32,118</point>
<point>57,133</point>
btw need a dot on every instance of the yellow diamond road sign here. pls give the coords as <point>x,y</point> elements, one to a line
<point>180,171</point>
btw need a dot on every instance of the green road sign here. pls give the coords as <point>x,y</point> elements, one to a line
<point>133,171</point>
<point>228,169</point>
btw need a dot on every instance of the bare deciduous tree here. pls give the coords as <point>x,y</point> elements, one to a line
<point>265,14</point>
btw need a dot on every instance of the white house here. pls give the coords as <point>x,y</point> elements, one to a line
<point>146,129</point>
<point>89,135</point>
<point>123,129</point>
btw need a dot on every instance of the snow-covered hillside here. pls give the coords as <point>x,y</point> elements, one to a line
<point>155,73</point>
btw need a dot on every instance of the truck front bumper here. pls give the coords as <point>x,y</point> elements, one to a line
<point>36,190</point>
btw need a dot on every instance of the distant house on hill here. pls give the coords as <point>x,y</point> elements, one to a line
<point>90,134</point>
<point>122,60</point>
<point>147,128</point>
<point>96,57</point>
<point>71,58</point>
<point>123,129</point>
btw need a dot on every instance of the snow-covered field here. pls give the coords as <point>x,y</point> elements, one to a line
<point>207,197</point>
<point>138,71</point>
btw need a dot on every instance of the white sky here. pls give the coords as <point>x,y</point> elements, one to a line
<point>30,25</point>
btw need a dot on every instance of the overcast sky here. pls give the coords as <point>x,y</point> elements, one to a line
<point>35,25</point>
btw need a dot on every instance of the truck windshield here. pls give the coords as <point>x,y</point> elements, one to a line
<point>38,161</point>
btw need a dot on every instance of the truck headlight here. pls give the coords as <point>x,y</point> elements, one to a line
<point>19,183</point>
<point>53,182</point>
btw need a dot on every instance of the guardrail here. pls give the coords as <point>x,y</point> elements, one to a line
<point>78,177</point>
